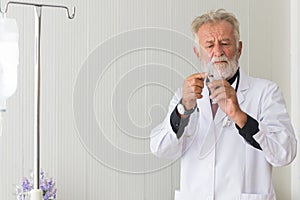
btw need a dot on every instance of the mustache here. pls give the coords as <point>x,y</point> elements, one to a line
<point>219,59</point>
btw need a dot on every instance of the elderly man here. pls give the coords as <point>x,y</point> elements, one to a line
<point>230,132</point>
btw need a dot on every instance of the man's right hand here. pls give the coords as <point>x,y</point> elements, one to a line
<point>192,89</point>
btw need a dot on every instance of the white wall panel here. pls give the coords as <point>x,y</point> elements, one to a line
<point>101,94</point>
<point>295,95</point>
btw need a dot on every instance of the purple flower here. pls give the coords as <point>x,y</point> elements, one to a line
<point>26,185</point>
<point>47,185</point>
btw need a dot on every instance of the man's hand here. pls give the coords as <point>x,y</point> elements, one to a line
<point>224,94</point>
<point>192,90</point>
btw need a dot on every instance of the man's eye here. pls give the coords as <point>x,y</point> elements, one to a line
<point>210,46</point>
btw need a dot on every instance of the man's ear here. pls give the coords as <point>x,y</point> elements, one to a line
<point>196,52</point>
<point>240,47</point>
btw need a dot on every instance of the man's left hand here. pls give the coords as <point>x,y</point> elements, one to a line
<point>224,94</point>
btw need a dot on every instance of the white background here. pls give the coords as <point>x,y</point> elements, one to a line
<point>270,50</point>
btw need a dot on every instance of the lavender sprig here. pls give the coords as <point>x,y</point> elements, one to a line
<point>47,185</point>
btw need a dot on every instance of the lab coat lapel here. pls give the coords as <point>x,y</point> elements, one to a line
<point>220,115</point>
<point>243,87</point>
<point>204,105</point>
<point>207,138</point>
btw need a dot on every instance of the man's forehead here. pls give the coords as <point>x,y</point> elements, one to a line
<point>220,31</point>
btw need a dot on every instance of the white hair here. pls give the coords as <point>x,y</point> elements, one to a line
<point>213,17</point>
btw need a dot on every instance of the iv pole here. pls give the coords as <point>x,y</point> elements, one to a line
<point>36,193</point>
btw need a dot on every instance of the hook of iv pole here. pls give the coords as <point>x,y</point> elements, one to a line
<point>70,15</point>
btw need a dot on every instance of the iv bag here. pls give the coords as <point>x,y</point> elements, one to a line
<point>9,59</point>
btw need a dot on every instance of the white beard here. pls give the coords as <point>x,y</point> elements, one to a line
<point>225,70</point>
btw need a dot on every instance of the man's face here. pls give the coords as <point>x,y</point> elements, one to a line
<point>218,45</point>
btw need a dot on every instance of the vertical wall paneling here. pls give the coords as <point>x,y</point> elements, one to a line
<point>103,91</point>
<point>295,95</point>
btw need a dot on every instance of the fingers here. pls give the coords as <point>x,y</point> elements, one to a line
<point>217,84</point>
<point>192,89</point>
<point>200,76</point>
<point>194,83</point>
<point>197,83</point>
<point>224,94</point>
<point>220,89</point>
<point>197,91</point>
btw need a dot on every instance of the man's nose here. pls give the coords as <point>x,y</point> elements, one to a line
<point>218,50</point>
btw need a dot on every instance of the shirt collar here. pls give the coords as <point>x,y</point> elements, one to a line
<point>232,79</point>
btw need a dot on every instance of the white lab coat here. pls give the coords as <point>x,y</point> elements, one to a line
<point>216,162</point>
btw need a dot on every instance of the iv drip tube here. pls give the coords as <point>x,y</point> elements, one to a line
<point>36,193</point>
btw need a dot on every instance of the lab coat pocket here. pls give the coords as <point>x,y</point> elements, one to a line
<point>258,197</point>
